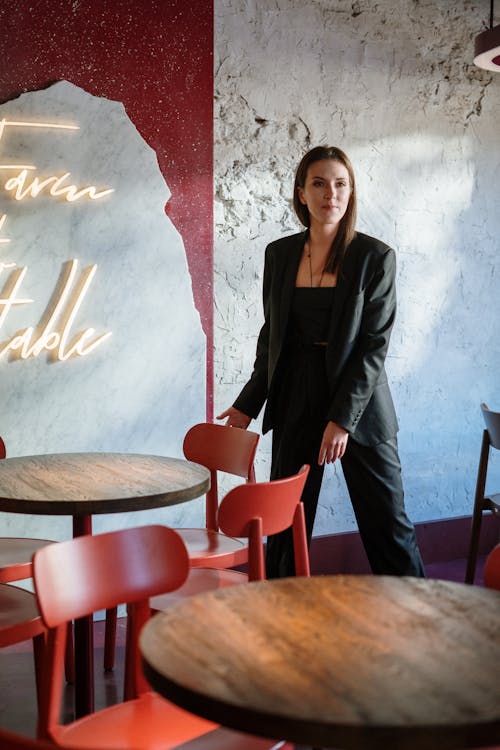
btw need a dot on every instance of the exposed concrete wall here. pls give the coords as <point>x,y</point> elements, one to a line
<point>394,85</point>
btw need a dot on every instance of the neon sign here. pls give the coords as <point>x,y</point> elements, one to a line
<point>18,186</point>
<point>54,331</point>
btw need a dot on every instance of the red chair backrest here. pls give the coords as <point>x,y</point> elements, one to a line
<point>492,569</point>
<point>89,573</point>
<point>3,449</point>
<point>492,422</point>
<point>256,510</point>
<point>220,448</point>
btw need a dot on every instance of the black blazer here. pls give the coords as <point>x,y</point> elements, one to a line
<point>361,322</point>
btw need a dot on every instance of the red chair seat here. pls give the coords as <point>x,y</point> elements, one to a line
<point>207,547</point>
<point>148,721</point>
<point>15,557</point>
<point>199,581</point>
<point>220,739</point>
<point>151,721</point>
<point>19,616</point>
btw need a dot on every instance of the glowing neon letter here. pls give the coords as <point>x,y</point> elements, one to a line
<point>16,124</point>
<point>7,302</point>
<point>51,338</point>
<point>18,186</point>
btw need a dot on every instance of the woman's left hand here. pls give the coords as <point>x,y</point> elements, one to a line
<point>333,444</point>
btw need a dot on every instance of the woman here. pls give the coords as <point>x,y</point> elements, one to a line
<point>329,307</point>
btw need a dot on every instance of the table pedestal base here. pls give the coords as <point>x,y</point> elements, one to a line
<point>84,643</point>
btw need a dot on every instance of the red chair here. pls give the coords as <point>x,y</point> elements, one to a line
<point>219,448</point>
<point>21,621</point>
<point>15,565</point>
<point>492,569</point>
<point>482,501</point>
<point>19,618</point>
<point>89,573</point>
<point>252,511</point>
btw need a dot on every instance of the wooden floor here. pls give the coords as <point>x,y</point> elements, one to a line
<point>17,687</point>
<point>17,692</point>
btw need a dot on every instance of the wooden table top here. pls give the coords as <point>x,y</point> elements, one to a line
<point>336,661</point>
<point>89,483</point>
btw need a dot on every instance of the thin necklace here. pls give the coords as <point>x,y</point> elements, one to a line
<point>308,246</point>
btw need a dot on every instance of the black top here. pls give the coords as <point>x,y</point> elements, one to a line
<point>310,314</point>
<point>303,392</point>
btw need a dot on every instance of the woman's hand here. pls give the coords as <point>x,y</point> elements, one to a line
<point>235,418</point>
<point>333,444</point>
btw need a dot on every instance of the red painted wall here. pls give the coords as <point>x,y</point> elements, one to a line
<point>155,56</point>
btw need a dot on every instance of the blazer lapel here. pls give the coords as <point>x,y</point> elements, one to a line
<point>294,254</point>
<point>344,285</point>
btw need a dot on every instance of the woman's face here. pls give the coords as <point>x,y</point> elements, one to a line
<point>326,191</point>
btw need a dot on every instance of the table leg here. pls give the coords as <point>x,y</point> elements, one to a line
<point>84,643</point>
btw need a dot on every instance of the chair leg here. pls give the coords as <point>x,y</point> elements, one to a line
<point>477,514</point>
<point>473,547</point>
<point>39,656</point>
<point>69,656</point>
<point>302,567</point>
<point>110,639</point>
<point>129,691</point>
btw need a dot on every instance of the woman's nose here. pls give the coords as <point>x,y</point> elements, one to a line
<point>329,190</point>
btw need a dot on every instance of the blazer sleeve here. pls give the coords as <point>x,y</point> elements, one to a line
<point>364,367</point>
<point>254,394</point>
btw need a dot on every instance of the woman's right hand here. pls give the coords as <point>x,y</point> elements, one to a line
<point>235,418</point>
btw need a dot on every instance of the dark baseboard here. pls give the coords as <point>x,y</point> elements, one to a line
<point>442,540</point>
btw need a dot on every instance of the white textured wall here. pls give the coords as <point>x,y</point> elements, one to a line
<point>394,85</point>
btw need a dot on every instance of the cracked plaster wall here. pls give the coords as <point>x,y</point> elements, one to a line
<point>394,85</point>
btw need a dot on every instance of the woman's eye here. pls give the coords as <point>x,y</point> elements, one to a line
<point>317,183</point>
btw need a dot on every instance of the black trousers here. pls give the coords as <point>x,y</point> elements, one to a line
<point>373,478</point>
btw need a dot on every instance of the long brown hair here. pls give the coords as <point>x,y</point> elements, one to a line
<point>347,226</point>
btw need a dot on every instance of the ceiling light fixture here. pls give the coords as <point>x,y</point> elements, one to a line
<point>487,46</point>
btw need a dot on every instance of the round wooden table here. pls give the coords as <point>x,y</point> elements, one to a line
<point>83,484</point>
<point>336,661</point>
